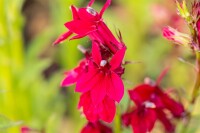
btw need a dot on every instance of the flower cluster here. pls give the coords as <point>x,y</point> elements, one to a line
<point>98,75</point>
<point>152,104</point>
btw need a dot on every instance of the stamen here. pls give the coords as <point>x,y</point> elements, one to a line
<point>149,104</point>
<point>103,63</point>
<point>91,11</point>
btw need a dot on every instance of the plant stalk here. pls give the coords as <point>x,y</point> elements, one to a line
<point>117,121</point>
<point>195,94</point>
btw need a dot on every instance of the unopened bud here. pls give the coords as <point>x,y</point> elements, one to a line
<point>176,36</point>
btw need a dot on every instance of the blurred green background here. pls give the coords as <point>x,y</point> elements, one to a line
<point>31,69</point>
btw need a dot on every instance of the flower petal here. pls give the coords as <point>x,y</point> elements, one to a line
<point>70,78</point>
<point>98,91</point>
<point>87,81</point>
<point>74,12</point>
<point>109,110</point>
<point>73,75</point>
<point>90,110</point>
<point>141,93</point>
<point>115,87</point>
<point>62,37</point>
<point>143,123</point>
<point>80,26</point>
<point>80,36</point>
<point>126,119</point>
<point>176,108</point>
<point>96,54</point>
<point>108,38</point>
<point>96,127</point>
<point>169,127</point>
<point>117,58</point>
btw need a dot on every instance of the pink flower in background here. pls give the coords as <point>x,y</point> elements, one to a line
<point>102,77</point>
<point>96,127</point>
<point>25,129</point>
<point>88,22</point>
<point>104,110</point>
<point>164,14</point>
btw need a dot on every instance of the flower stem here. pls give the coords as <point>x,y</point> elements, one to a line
<point>117,121</point>
<point>195,94</point>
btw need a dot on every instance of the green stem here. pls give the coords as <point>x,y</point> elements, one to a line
<point>117,121</point>
<point>195,94</point>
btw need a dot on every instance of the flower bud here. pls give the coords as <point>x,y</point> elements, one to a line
<point>176,36</point>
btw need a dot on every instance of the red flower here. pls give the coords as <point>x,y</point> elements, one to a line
<point>151,104</point>
<point>96,127</point>
<point>97,78</point>
<point>104,110</point>
<point>88,22</point>
<point>103,76</point>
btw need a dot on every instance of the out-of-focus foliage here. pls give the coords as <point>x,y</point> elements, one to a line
<point>28,97</point>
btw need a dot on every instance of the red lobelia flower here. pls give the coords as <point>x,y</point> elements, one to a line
<point>87,22</point>
<point>103,76</point>
<point>104,110</point>
<point>96,127</point>
<point>97,78</point>
<point>150,99</point>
